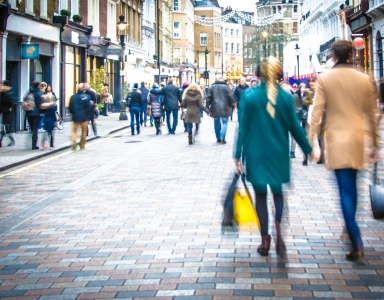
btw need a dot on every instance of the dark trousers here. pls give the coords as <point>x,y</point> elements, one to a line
<point>143,114</point>
<point>94,127</point>
<point>157,124</point>
<point>175,115</point>
<point>346,180</point>
<point>190,127</point>
<point>135,114</point>
<point>34,125</point>
<point>105,108</point>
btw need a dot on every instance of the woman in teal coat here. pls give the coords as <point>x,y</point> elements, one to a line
<point>267,117</point>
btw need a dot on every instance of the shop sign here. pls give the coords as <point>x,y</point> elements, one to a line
<point>30,51</point>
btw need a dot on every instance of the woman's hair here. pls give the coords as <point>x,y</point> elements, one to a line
<point>342,49</point>
<point>313,79</point>
<point>49,86</point>
<point>271,71</point>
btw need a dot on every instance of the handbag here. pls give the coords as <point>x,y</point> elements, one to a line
<point>129,99</point>
<point>377,196</point>
<point>149,111</point>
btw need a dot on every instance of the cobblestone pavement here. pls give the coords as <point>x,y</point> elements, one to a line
<point>139,217</point>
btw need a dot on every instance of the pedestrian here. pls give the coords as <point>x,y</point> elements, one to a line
<point>80,108</point>
<point>155,102</point>
<point>49,92</point>
<point>104,99</point>
<point>6,112</point>
<point>43,88</point>
<point>144,96</point>
<point>288,88</point>
<point>219,103</point>
<point>192,103</point>
<point>48,107</point>
<point>239,91</point>
<point>347,102</point>
<point>182,90</point>
<point>93,101</point>
<point>172,101</point>
<point>33,115</point>
<point>266,150</point>
<point>254,82</point>
<point>134,105</point>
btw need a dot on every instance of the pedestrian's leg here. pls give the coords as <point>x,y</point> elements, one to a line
<point>168,112</point>
<point>94,126</point>
<point>262,214</point>
<point>75,126</point>
<point>189,129</point>
<point>197,125</point>
<point>151,120</point>
<point>145,114</point>
<point>175,115</point>
<point>185,126</point>
<point>293,146</point>
<point>35,129</point>
<point>132,114</point>
<point>346,180</point>
<point>304,126</point>
<point>52,133</point>
<point>279,205</point>
<point>223,132</point>
<point>157,125</point>
<point>84,130</point>
<point>137,114</point>
<point>141,115</point>
<point>217,129</point>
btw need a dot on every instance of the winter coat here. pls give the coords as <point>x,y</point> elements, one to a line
<point>80,107</point>
<point>193,101</point>
<point>239,91</point>
<point>172,96</point>
<point>144,94</point>
<point>37,94</point>
<point>263,141</point>
<point>347,104</point>
<point>6,108</point>
<point>49,118</point>
<point>104,97</point>
<point>220,100</point>
<point>155,101</point>
<point>136,98</point>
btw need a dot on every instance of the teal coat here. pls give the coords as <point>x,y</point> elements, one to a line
<point>263,141</point>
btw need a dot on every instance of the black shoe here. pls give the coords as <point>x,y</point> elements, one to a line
<point>223,142</point>
<point>185,130</point>
<point>305,162</point>
<point>133,134</point>
<point>293,154</point>
<point>172,132</point>
<point>219,141</point>
<point>35,148</point>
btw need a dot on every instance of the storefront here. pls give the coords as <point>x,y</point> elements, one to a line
<point>43,40</point>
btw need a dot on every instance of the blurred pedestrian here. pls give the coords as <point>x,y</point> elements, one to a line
<point>239,91</point>
<point>155,102</point>
<point>192,103</point>
<point>301,90</point>
<point>6,112</point>
<point>203,90</point>
<point>94,111</point>
<point>49,92</point>
<point>104,99</point>
<point>80,108</point>
<point>219,103</point>
<point>266,150</point>
<point>43,88</point>
<point>144,96</point>
<point>33,116</point>
<point>48,107</point>
<point>347,102</point>
<point>135,105</point>
<point>254,82</point>
<point>182,90</point>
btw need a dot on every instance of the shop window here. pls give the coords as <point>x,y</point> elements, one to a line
<point>38,70</point>
<point>72,71</point>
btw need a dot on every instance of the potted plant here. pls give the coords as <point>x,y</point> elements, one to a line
<point>342,6</point>
<point>65,12</point>
<point>77,18</point>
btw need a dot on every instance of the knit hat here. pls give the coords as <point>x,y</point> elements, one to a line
<point>136,86</point>
<point>185,83</point>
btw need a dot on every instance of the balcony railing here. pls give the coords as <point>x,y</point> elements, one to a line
<point>328,44</point>
<point>357,9</point>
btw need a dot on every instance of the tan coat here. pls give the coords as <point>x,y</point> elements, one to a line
<point>348,97</point>
<point>193,101</point>
<point>104,95</point>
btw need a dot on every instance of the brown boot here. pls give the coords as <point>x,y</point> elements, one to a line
<point>356,256</point>
<point>190,139</point>
<point>280,246</point>
<point>263,249</point>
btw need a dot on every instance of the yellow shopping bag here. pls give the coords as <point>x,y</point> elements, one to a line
<point>244,212</point>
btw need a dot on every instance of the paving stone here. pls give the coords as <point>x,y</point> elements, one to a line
<point>103,283</point>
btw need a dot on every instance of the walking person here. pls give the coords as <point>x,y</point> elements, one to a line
<point>172,101</point>
<point>239,91</point>
<point>93,101</point>
<point>48,107</point>
<point>182,90</point>
<point>6,112</point>
<point>33,116</point>
<point>268,116</point>
<point>104,99</point>
<point>80,107</point>
<point>144,96</point>
<point>219,103</point>
<point>192,102</point>
<point>156,104</point>
<point>135,105</point>
<point>347,102</point>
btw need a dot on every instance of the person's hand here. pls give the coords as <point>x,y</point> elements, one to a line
<point>239,167</point>
<point>374,155</point>
<point>315,154</point>
<point>235,104</point>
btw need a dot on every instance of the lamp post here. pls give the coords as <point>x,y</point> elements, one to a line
<point>195,67</point>
<point>206,76</point>
<point>265,35</point>
<point>297,52</point>
<point>122,25</point>
<point>198,62</point>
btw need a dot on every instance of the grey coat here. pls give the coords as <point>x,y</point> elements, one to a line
<point>220,100</point>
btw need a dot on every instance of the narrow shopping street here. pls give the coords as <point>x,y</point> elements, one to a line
<point>140,217</point>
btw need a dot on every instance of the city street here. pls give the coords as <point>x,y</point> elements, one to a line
<point>140,217</point>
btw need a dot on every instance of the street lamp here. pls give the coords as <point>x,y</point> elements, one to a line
<point>297,52</point>
<point>265,35</point>
<point>206,75</point>
<point>122,25</point>
<point>195,67</point>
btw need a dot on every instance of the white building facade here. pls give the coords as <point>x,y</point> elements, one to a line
<point>148,38</point>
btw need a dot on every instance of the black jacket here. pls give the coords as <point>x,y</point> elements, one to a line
<point>136,98</point>
<point>238,91</point>
<point>172,96</point>
<point>144,94</point>
<point>220,100</point>
<point>80,107</point>
<point>6,108</point>
<point>37,94</point>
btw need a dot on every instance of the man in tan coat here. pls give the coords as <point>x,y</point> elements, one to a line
<point>348,97</point>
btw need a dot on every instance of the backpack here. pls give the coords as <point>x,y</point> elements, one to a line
<point>129,99</point>
<point>28,103</point>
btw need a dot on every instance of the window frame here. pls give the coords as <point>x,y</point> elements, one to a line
<point>178,30</point>
<point>202,38</point>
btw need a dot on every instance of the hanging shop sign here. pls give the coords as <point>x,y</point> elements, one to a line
<point>30,51</point>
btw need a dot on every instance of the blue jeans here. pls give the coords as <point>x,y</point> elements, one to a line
<point>175,115</point>
<point>143,114</point>
<point>135,113</point>
<point>346,180</point>
<point>221,128</point>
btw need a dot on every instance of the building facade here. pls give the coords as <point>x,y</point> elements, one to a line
<point>149,40</point>
<point>376,13</point>
<point>208,40</point>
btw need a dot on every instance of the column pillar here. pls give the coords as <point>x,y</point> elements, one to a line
<point>3,55</point>
<point>56,69</point>
<point>25,70</point>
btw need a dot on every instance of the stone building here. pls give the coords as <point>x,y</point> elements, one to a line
<point>208,40</point>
